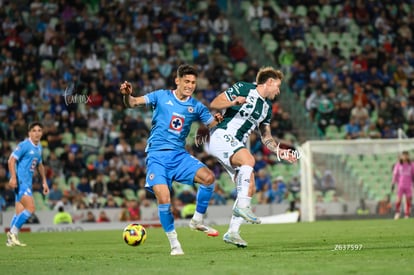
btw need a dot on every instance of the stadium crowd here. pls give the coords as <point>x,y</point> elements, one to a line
<point>350,64</point>
<point>62,64</point>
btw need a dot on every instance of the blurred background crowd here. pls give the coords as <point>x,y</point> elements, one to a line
<point>349,64</point>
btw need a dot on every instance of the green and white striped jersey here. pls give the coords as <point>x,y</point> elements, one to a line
<point>241,120</point>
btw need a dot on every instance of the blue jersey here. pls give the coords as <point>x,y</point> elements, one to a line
<point>172,119</point>
<point>28,156</point>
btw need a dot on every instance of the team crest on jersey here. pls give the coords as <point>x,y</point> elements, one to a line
<point>176,123</point>
<point>190,109</point>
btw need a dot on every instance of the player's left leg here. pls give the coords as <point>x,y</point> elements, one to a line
<point>408,201</point>
<point>206,178</point>
<point>190,170</point>
<point>232,236</point>
<point>24,209</point>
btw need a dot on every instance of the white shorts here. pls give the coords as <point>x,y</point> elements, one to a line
<point>223,145</point>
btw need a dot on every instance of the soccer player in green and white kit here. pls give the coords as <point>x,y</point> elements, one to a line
<point>247,107</point>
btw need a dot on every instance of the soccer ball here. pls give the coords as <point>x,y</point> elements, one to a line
<point>134,234</point>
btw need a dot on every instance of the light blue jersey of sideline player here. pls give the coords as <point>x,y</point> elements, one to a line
<point>171,124</point>
<point>28,157</point>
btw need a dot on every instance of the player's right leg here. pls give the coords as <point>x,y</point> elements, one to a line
<point>162,193</point>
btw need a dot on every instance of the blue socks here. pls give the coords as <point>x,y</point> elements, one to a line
<point>204,194</point>
<point>22,218</point>
<point>13,221</point>
<point>18,221</point>
<point>166,217</point>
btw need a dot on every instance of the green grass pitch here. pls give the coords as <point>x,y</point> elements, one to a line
<point>323,247</point>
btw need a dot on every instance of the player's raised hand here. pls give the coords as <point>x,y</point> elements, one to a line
<point>126,88</point>
<point>218,117</point>
<point>45,188</point>
<point>13,182</point>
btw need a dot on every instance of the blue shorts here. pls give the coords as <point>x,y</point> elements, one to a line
<point>164,167</point>
<point>23,189</point>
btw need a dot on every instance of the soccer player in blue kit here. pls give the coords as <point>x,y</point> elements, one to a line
<point>22,163</point>
<point>167,160</point>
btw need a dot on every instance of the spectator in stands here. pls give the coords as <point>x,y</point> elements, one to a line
<point>114,186</point>
<point>90,218</point>
<point>237,52</point>
<point>384,206</point>
<point>62,217</point>
<point>187,195</point>
<point>328,181</point>
<point>131,212</point>
<point>359,112</point>
<point>262,179</point>
<point>276,193</point>
<point>325,115</point>
<point>84,185</point>
<point>353,129</point>
<point>219,196</point>
<point>255,11</point>
<point>55,195</point>
<point>103,217</point>
<point>294,188</point>
<point>110,202</point>
<point>362,208</point>
<point>65,202</point>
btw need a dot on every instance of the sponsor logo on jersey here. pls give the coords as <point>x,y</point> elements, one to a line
<point>151,176</point>
<point>169,102</point>
<point>190,109</point>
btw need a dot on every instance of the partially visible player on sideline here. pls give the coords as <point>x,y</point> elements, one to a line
<point>403,175</point>
<point>167,160</point>
<point>22,163</point>
<point>247,106</point>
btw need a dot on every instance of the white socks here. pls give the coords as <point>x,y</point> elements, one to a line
<point>172,238</point>
<point>243,183</point>
<point>198,217</point>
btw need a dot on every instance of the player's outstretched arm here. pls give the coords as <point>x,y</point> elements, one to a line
<point>221,102</point>
<point>129,100</point>
<point>218,117</point>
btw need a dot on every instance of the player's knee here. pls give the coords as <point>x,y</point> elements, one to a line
<point>163,199</point>
<point>249,161</point>
<point>30,208</point>
<point>209,179</point>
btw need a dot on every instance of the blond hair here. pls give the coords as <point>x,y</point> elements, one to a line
<point>268,72</point>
